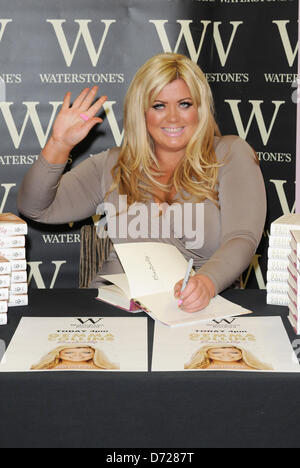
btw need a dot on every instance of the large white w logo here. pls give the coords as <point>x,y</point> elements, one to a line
<point>290,53</point>
<point>7,190</point>
<point>185,33</point>
<point>32,115</point>
<point>256,114</point>
<point>3,23</point>
<point>35,273</point>
<point>85,33</point>
<point>283,200</point>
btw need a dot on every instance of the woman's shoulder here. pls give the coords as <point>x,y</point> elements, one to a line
<point>231,148</point>
<point>226,143</point>
<point>109,156</point>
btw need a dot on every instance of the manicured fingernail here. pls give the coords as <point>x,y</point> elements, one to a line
<point>180,303</point>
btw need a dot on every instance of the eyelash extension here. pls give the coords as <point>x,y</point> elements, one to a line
<point>186,103</point>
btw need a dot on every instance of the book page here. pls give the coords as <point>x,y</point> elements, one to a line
<point>121,281</point>
<point>109,344</point>
<point>164,307</point>
<point>151,267</point>
<point>247,344</point>
<point>113,295</point>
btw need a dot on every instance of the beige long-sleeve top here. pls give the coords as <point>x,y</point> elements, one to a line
<point>231,232</point>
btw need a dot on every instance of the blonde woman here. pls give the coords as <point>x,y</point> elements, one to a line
<point>75,357</point>
<point>225,357</point>
<point>172,153</point>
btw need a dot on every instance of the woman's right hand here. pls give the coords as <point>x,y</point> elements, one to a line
<point>69,128</point>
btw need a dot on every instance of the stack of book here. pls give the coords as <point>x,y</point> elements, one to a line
<point>13,265</point>
<point>5,279</point>
<point>279,258</point>
<point>294,281</point>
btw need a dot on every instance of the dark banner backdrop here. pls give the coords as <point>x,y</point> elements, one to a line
<point>248,49</point>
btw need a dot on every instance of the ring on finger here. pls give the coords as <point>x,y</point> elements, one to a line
<point>84,117</point>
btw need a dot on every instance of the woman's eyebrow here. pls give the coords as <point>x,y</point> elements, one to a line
<point>180,100</point>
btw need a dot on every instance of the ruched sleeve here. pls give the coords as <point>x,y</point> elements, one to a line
<point>51,197</point>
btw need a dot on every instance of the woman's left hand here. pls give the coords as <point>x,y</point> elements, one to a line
<point>197,294</point>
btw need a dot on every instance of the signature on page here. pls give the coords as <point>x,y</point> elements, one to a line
<point>152,269</point>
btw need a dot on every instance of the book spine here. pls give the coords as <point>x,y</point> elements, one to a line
<point>3,319</point>
<point>283,229</point>
<point>12,241</point>
<point>277,288</point>
<point>18,277</point>
<point>13,253</point>
<point>278,299</point>
<point>293,243</point>
<point>292,284</point>
<point>3,307</point>
<point>278,242</point>
<point>4,294</point>
<point>18,265</point>
<point>13,229</point>
<point>293,256</point>
<point>4,281</point>
<point>17,300</point>
<point>5,268</point>
<point>293,310</point>
<point>277,276</point>
<point>18,288</point>
<point>294,324</point>
<point>278,254</point>
<point>278,265</point>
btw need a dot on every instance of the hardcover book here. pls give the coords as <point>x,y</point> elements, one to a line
<point>149,283</point>
<point>11,225</point>
<point>285,224</point>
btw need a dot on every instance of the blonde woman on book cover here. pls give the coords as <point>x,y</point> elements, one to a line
<point>225,357</point>
<point>75,357</point>
<point>172,152</point>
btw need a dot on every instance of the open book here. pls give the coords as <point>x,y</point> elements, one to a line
<point>151,271</point>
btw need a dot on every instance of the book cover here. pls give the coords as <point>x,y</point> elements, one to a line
<point>280,242</point>
<point>19,288</point>
<point>278,299</point>
<point>5,266</point>
<point>5,281</point>
<point>14,253</point>
<point>278,265</point>
<point>254,344</point>
<point>18,300</point>
<point>18,265</point>
<point>278,276</point>
<point>277,287</point>
<point>293,323</point>
<point>285,224</point>
<point>7,242</point>
<point>3,307</point>
<point>19,277</point>
<point>278,253</point>
<point>11,225</point>
<point>78,344</point>
<point>4,294</point>
<point>3,319</point>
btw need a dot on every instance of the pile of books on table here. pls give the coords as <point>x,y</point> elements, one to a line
<point>294,281</point>
<point>13,266</point>
<point>279,258</point>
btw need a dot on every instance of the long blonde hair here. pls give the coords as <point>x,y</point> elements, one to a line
<point>134,173</point>
<point>52,359</point>
<point>200,359</point>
